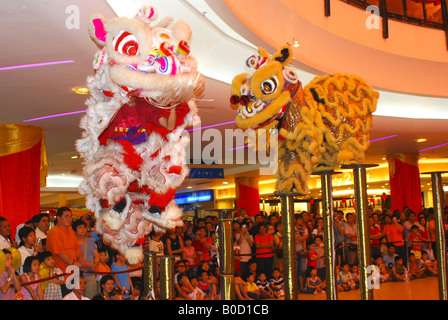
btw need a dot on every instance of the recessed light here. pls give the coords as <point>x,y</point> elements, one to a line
<point>75,157</point>
<point>421,140</point>
<point>225,182</point>
<point>189,187</point>
<point>81,90</point>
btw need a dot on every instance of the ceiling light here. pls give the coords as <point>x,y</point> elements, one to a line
<point>75,157</point>
<point>421,140</point>
<point>189,187</point>
<point>81,90</point>
<point>225,182</point>
<point>295,43</point>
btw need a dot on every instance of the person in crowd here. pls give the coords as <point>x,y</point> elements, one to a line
<point>393,231</point>
<point>375,236</point>
<point>278,247</point>
<point>90,255</point>
<point>301,235</point>
<point>189,251</point>
<point>102,266</point>
<point>78,293</point>
<point>264,286</point>
<point>28,246</point>
<point>5,235</point>
<point>107,284</point>
<point>277,282</point>
<point>430,266</point>
<point>63,244</point>
<point>123,279</point>
<point>9,280</point>
<point>52,289</point>
<point>245,242</point>
<point>416,269</point>
<point>42,226</point>
<point>313,282</point>
<point>339,225</point>
<point>174,244</point>
<point>383,272</point>
<point>202,244</point>
<point>264,244</point>
<point>351,239</point>
<point>399,271</point>
<point>31,273</point>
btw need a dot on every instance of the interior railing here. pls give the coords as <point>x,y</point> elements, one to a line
<point>425,13</point>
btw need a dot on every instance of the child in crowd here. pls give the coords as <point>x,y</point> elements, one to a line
<point>212,279</point>
<point>31,273</point>
<point>312,256</point>
<point>102,265</point>
<point>264,286</point>
<point>355,274</point>
<point>189,250</point>
<point>277,282</point>
<point>347,282</point>
<point>252,289</point>
<point>313,283</point>
<point>241,288</point>
<point>318,240</point>
<point>416,270</point>
<point>399,271</point>
<point>9,281</point>
<point>184,289</point>
<point>205,284</point>
<point>384,274</point>
<point>52,289</point>
<point>122,280</point>
<point>197,293</point>
<point>156,244</point>
<point>389,258</point>
<point>416,242</point>
<point>429,265</point>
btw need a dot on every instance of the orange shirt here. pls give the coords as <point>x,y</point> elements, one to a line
<point>60,240</point>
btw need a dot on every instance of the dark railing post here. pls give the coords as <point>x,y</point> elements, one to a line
<point>384,14</point>
<point>444,7</point>
<point>327,8</point>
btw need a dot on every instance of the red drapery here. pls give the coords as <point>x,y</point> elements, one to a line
<point>22,172</point>
<point>248,195</point>
<point>405,188</point>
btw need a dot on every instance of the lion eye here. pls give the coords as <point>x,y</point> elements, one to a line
<point>126,43</point>
<point>269,86</point>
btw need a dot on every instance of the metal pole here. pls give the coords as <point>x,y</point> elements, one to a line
<point>226,255</point>
<point>438,198</point>
<point>362,225</point>
<point>289,245</point>
<point>166,277</point>
<point>149,275</point>
<point>328,216</point>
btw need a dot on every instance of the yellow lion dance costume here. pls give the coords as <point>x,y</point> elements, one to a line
<point>320,126</point>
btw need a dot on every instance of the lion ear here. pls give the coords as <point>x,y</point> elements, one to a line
<point>97,29</point>
<point>284,56</point>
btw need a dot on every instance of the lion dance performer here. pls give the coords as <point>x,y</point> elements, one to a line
<point>320,126</point>
<point>142,97</point>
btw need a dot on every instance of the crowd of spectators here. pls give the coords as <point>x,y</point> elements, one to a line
<point>402,246</point>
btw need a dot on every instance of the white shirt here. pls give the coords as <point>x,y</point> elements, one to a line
<point>72,296</point>
<point>25,253</point>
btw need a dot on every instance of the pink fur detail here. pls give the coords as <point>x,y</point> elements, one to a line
<point>100,32</point>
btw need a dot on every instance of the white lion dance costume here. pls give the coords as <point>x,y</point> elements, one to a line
<point>142,98</point>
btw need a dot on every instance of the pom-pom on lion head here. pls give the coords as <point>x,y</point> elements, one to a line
<point>146,59</point>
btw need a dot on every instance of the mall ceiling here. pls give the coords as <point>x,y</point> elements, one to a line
<point>225,33</point>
